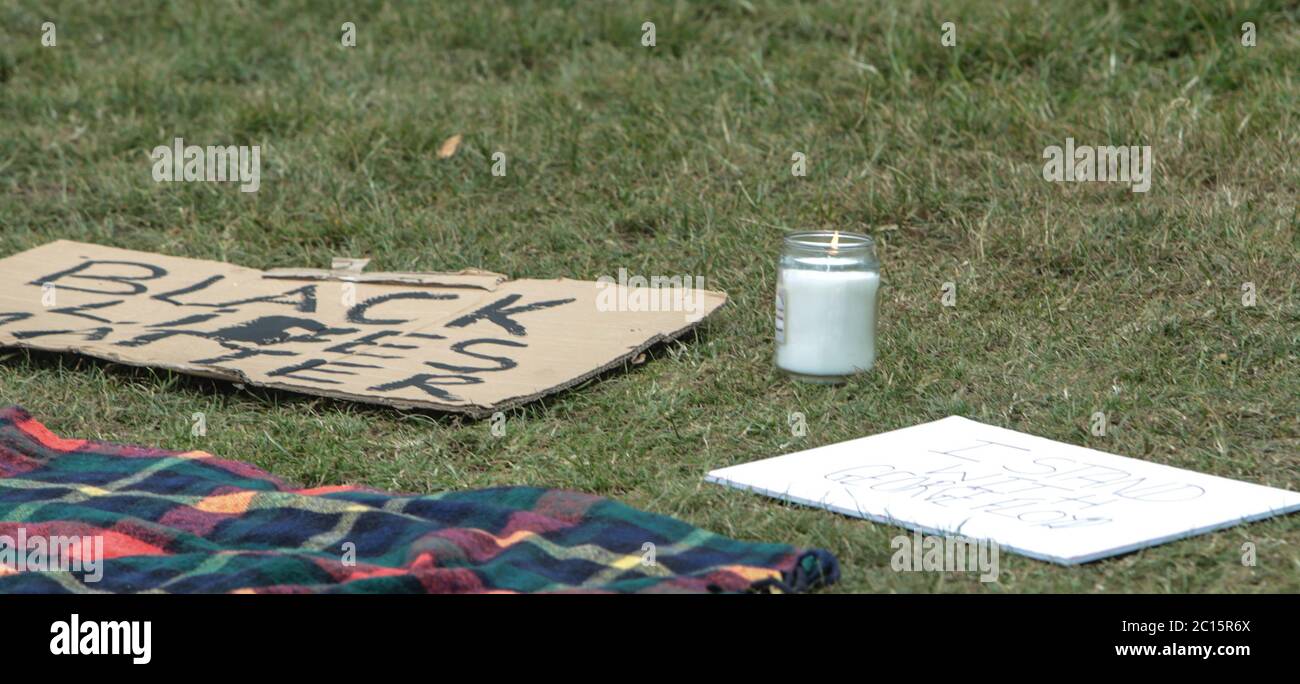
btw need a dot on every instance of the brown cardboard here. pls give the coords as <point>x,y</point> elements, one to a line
<point>470,342</point>
<point>484,280</point>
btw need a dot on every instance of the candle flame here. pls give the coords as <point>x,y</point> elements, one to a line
<point>835,242</point>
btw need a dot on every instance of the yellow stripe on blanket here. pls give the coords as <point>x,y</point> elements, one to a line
<point>512,538</point>
<point>627,562</point>
<point>751,573</point>
<point>232,504</point>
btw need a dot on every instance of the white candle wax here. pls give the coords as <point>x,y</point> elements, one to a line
<point>826,321</point>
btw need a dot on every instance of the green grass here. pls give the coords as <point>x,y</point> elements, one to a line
<point>1072,298</point>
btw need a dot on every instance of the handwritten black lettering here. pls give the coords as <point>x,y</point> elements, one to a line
<point>133,283</point>
<point>502,363</point>
<point>170,297</point>
<point>13,317</point>
<point>302,299</point>
<point>371,341</point>
<point>187,320</point>
<point>89,334</point>
<point>357,314</point>
<point>317,366</point>
<point>80,310</point>
<point>498,313</point>
<point>264,330</point>
<point>429,384</point>
<point>241,352</point>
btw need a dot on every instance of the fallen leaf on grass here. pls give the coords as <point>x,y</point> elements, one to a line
<point>449,147</point>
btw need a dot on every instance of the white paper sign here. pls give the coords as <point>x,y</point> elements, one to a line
<point>1043,499</point>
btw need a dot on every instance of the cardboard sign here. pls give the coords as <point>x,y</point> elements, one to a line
<point>471,342</point>
<point>1040,498</point>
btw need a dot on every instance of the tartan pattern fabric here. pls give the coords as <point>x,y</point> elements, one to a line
<point>178,522</point>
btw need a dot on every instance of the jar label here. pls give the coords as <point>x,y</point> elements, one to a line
<point>780,316</point>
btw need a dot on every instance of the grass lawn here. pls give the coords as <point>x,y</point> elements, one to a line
<point>1072,298</point>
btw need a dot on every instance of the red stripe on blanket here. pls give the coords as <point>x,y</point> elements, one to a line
<point>438,580</point>
<point>45,438</point>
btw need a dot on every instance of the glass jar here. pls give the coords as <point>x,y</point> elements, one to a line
<point>827,298</point>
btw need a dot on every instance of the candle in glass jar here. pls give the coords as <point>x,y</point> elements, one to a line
<point>828,286</point>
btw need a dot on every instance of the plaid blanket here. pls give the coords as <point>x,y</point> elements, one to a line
<point>192,522</point>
